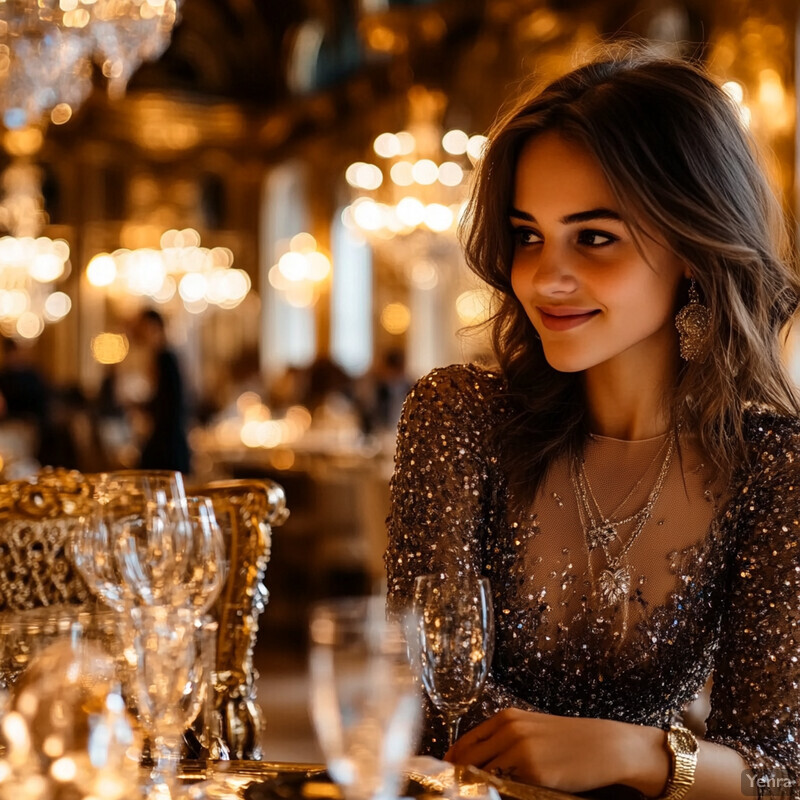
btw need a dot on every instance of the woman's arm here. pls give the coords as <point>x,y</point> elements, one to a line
<point>439,484</point>
<point>576,754</point>
<point>720,772</point>
<point>443,501</point>
<point>755,699</point>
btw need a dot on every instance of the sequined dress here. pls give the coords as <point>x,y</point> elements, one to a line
<point>716,572</point>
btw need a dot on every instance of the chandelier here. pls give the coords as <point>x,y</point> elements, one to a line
<point>30,265</point>
<point>419,178</point>
<point>301,271</point>
<point>47,48</point>
<point>180,269</point>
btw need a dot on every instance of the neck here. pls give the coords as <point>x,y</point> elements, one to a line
<point>624,404</point>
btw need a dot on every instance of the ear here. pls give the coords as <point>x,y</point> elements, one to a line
<point>687,272</point>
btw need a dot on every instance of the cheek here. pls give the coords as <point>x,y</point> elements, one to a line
<point>520,280</point>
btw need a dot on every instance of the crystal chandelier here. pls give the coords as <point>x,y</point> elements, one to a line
<point>180,269</point>
<point>301,271</point>
<point>30,265</point>
<point>419,179</point>
<point>47,48</point>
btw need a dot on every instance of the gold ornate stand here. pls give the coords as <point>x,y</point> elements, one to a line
<point>247,510</point>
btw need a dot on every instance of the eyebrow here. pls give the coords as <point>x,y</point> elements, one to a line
<point>571,219</point>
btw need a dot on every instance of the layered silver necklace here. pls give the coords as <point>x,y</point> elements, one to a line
<point>602,532</point>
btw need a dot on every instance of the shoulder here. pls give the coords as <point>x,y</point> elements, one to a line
<point>769,432</point>
<point>458,389</point>
<point>774,443</point>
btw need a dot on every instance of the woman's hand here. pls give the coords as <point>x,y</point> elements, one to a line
<point>573,754</point>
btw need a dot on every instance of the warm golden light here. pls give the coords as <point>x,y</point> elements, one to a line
<point>301,270</point>
<point>29,325</point>
<point>386,145</point>
<point>406,143</point>
<point>64,769</point>
<point>292,266</point>
<point>450,173</point>
<point>475,147</point>
<point>23,141</point>
<point>57,306</point>
<point>425,171</point>
<point>395,318</point>
<point>423,183</point>
<point>200,276</point>
<point>402,173</point>
<point>110,348</point>
<point>364,176</point>
<point>423,274</point>
<point>734,90</point>
<point>410,211</point>
<point>474,306</point>
<point>455,142</point>
<point>438,217</point>
<point>303,243</point>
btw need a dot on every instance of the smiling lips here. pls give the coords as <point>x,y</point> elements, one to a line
<point>563,318</point>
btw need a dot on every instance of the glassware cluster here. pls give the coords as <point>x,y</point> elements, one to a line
<point>157,556</point>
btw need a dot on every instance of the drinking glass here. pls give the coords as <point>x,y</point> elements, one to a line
<point>165,676</point>
<point>161,485</point>
<point>128,543</point>
<point>364,699</point>
<point>202,567</point>
<point>455,629</point>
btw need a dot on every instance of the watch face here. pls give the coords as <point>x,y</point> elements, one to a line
<point>682,740</point>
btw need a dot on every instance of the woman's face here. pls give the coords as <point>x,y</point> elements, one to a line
<point>592,296</point>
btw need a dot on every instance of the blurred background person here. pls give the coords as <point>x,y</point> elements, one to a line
<point>166,446</point>
<point>391,387</point>
<point>25,399</point>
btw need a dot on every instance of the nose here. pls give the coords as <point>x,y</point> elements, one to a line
<point>551,272</point>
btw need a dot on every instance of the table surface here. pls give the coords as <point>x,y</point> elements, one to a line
<point>228,779</point>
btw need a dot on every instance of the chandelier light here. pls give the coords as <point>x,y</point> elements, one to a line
<point>47,48</point>
<point>301,271</point>
<point>181,268</point>
<point>30,265</point>
<point>419,178</point>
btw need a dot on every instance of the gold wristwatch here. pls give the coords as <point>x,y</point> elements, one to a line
<point>682,746</point>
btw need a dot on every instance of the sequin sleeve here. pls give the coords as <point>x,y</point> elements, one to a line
<point>439,483</point>
<point>755,702</point>
<point>444,499</point>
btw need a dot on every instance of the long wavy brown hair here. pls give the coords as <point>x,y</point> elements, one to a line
<point>679,160</point>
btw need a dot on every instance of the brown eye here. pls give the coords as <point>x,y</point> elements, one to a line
<point>591,238</point>
<point>526,236</point>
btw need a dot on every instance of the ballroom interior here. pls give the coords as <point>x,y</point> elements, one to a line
<point>283,184</point>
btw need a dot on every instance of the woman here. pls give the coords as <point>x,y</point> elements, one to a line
<point>627,477</point>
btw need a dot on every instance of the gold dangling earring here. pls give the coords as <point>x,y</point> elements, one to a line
<point>693,322</point>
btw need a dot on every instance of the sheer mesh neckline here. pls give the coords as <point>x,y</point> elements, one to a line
<point>599,437</point>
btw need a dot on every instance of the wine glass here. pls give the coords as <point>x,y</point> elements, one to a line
<point>202,567</point>
<point>125,547</point>
<point>161,485</point>
<point>162,645</point>
<point>455,627</point>
<point>364,699</point>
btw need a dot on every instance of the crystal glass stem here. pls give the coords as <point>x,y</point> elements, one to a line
<point>164,774</point>
<point>452,721</point>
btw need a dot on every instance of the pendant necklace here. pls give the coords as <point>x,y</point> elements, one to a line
<point>613,584</point>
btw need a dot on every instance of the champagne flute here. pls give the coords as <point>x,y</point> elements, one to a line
<point>455,626</point>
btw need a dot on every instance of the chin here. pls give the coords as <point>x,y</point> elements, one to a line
<point>567,362</point>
